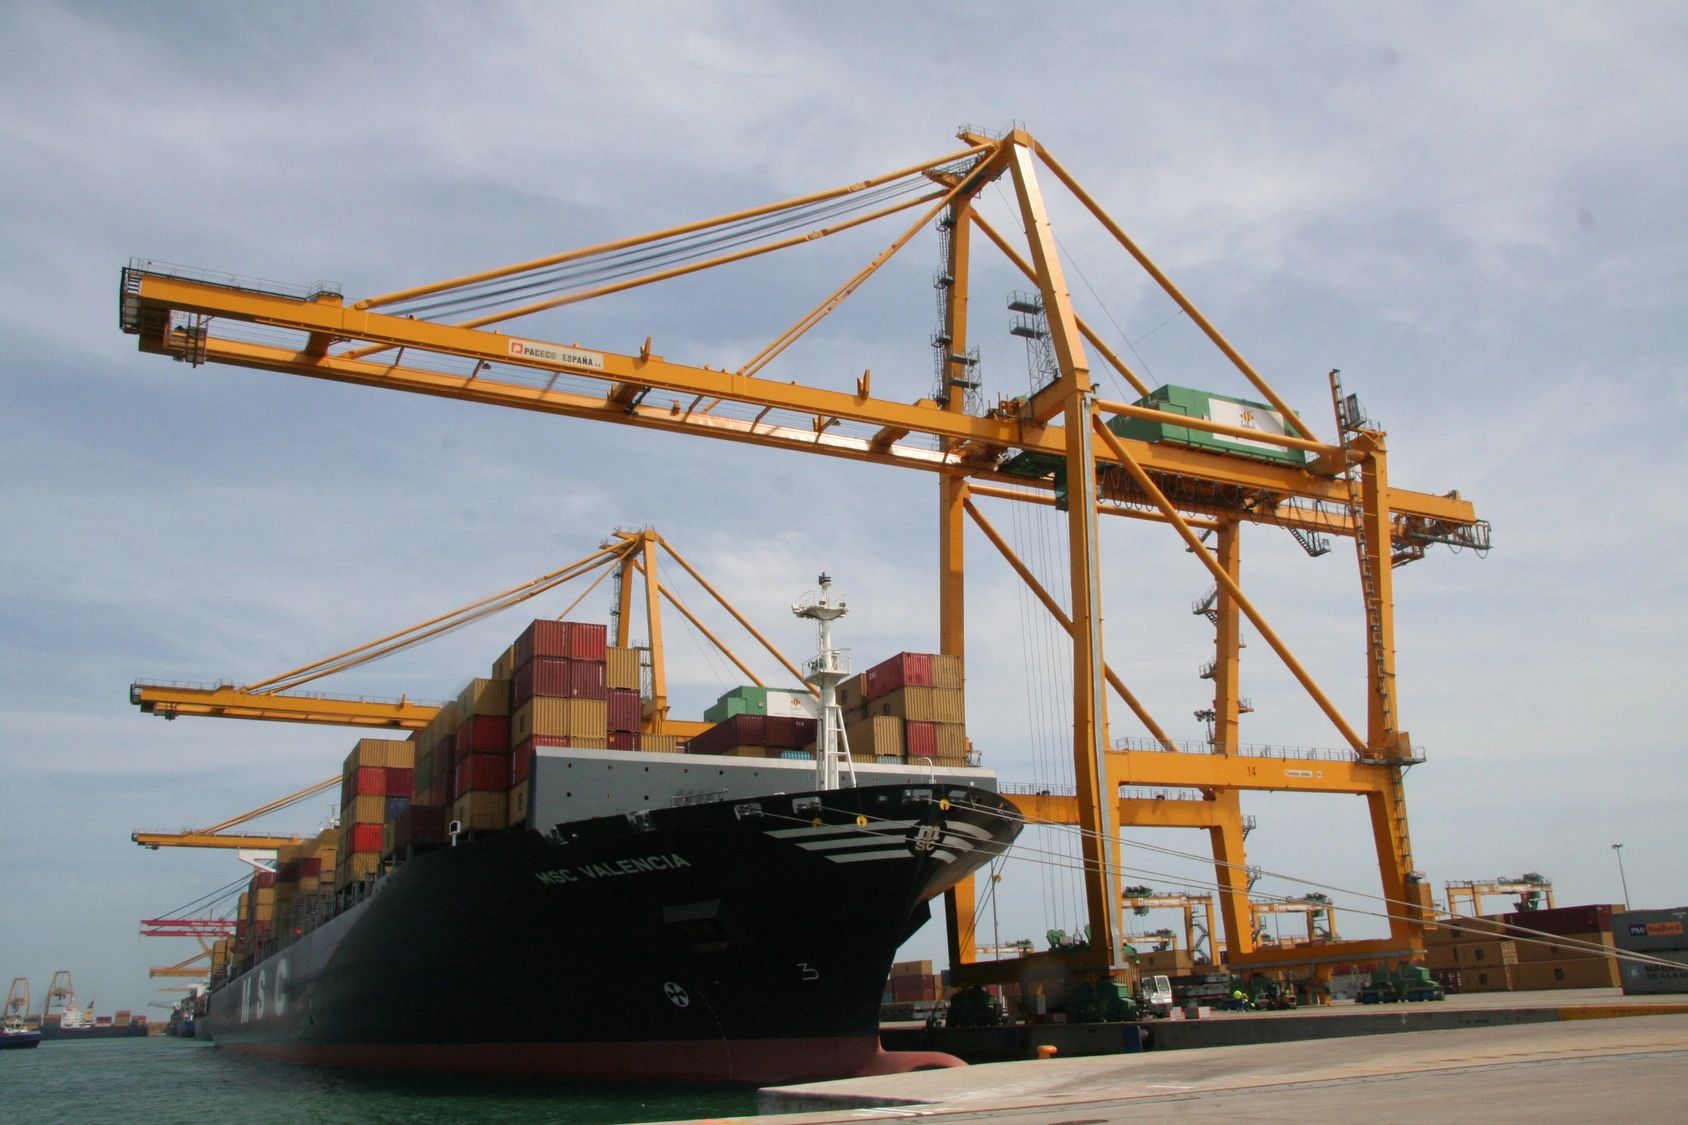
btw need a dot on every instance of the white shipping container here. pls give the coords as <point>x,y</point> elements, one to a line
<point>793,704</point>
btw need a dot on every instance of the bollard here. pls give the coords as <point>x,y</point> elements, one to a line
<point>1047,1050</point>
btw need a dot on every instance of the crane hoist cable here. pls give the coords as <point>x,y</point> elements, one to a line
<point>614,264</point>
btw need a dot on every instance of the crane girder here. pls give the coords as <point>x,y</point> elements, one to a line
<point>228,702</point>
<point>153,300</point>
<point>157,840</point>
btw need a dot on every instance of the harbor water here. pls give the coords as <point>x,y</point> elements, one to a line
<point>160,1080</point>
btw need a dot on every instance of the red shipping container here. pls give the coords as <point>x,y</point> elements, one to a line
<point>576,639</point>
<point>419,824</point>
<point>401,781</point>
<point>623,740</point>
<point>287,872</point>
<point>624,709</point>
<point>364,781</point>
<point>262,880</point>
<point>920,740</point>
<point>365,838</point>
<point>748,730</point>
<point>481,734</point>
<point>1564,921</point>
<point>906,669</point>
<point>521,759</point>
<point>310,867</point>
<point>789,732</point>
<point>482,772</point>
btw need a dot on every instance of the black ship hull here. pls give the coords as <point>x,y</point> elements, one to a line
<point>742,941</point>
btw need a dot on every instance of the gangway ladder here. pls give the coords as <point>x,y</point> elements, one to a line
<point>1350,418</point>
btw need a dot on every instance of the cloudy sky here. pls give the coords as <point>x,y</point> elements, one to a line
<point>1476,211</point>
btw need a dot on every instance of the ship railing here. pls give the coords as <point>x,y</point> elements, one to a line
<point>234,281</point>
<point>1244,749</point>
<point>1126,792</point>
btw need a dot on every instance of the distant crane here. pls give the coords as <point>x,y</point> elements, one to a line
<point>215,837</point>
<point>1531,888</point>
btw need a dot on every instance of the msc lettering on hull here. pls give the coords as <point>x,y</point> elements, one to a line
<point>257,999</point>
<point>615,867</point>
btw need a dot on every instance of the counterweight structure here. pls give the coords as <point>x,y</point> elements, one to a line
<point>1061,444</point>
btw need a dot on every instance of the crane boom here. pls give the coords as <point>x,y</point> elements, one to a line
<point>1059,444</point>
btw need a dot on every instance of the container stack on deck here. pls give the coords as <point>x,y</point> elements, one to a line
<point>376,784</point>
<point>254,924</point>
<point>909,708</point>
<point>303,881</point>
<point>478,756</point>
<point>1480,955</point>
<point>559,697</point>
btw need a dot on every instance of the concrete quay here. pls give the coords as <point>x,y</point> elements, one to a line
<point>1561,1056</point>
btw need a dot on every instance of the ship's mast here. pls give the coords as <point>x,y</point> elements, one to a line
<point>824,673</point>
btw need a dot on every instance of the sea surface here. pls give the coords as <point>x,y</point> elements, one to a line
<point>161,1080</point>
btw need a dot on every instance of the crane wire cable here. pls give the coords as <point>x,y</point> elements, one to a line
<point>1534,936</point>
<point>625,262</point>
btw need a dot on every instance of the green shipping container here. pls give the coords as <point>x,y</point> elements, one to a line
<point>1213,408</point>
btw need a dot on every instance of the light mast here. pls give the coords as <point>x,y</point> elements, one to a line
<point>824,672</point>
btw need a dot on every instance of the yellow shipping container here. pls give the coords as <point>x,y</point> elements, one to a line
<point>875,735</point>
<point>1494,978</point>
<point>1470,955</point>
<point>1584,972</point>
<point>852,694</point>
<point>485,697</point>
<point>364,810</point>
<point>504,668</point>
<point>442,728</point>
<point>585,718</point>
<point>399,753</point>
<point>621,669</point>
<point>357,867</point>
<point>481,809</point>
<point>952,740</point>
<point>923,705</point>
<point>519,803</point>
<point>660,743</point>
<point>327,838</point>
<point>946,671</point>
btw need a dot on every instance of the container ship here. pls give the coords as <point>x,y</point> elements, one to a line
<point>70,1022</point>
<point>530,885</point>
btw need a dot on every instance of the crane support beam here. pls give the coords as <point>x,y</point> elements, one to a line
<point>1134,812</point>
<point>158,295</point>
<point>172,701</point>
<point>1225,771</point>
<point>157,840</point>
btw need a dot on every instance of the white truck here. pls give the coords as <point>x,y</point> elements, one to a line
<point>1155,997</point>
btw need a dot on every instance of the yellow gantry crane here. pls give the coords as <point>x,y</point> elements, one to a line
<point>1530,888</point>
<point>215,836</point>
<point>1058,445</point>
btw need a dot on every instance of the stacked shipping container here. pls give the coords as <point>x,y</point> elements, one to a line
<point>479,779</point>
<point>1661,934</point>
<point>1488,956</point>
<point>376,784</point>
<point>909,708</point>
<point>560,696</point>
